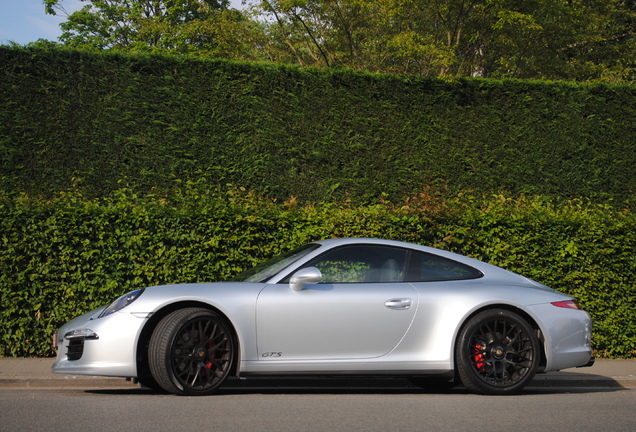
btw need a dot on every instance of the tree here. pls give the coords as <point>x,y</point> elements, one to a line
<point>583,40</point>
<point>550,39</point>
<point>322,33</point>
<point>180,26</point>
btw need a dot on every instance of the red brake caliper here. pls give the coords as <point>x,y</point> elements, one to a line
<point>208,363</point>
<point>479,358</point>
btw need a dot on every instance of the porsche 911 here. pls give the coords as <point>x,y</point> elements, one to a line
<point>337,307</point>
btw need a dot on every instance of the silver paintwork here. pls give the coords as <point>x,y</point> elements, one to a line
<point>303,327</point>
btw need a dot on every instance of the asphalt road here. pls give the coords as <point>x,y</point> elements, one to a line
<point>324,409</point>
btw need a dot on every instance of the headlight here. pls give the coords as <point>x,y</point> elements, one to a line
<point>81,334</point>
<point>121,302</point>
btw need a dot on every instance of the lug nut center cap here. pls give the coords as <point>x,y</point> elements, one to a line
<point>199,353</point>
<point>498,352</point>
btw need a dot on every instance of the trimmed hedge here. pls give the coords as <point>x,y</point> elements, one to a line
<point>62,257</point>
<point>169,128</point>
<point>72,118</point>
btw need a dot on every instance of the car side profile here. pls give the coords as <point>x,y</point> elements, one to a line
<point>365,307</point>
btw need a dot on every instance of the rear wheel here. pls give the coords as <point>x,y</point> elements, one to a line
<point>191,352</point>
<point>497,353</point>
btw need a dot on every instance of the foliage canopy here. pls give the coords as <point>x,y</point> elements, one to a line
<point>582,40</point>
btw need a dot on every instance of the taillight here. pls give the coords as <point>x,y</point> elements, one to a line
<point>568,304</point>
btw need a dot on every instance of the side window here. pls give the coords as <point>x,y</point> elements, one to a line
<point>425,267</point>
<point>362,263</point>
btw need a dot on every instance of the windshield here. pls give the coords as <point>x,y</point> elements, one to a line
<point>262,272</point>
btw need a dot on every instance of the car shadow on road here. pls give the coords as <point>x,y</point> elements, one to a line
<point>357,386</point>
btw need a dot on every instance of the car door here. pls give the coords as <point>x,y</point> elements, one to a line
<point>361,309</point>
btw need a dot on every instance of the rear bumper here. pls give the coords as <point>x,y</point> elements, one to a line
<point>589,363</point>
<point>567,335</point>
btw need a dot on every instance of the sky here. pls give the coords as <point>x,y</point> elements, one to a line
<point>24,21</point>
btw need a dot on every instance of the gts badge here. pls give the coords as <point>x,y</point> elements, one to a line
<point>272,354</point>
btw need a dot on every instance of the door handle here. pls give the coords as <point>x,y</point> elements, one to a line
<point>399,304</point>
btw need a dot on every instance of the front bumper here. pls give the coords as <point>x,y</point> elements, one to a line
<point>106,346</point>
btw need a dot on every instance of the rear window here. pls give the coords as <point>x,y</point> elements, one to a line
<point>425,267</point>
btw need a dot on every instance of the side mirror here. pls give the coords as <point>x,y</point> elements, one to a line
<point>309,275</point>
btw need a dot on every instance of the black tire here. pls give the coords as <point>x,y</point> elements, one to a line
<point>191,352</point>
<point>497,353</point>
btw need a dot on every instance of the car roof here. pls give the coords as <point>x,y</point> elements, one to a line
<point>334,242</point>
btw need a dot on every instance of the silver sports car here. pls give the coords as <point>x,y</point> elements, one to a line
<point>363,307</point>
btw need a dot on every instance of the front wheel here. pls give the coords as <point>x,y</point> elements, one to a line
<point>191,352</point>
<point>497,353</point>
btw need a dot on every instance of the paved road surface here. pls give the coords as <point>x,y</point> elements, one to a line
<point>307,410</point>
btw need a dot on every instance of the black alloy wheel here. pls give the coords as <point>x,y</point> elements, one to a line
<point>497,353</point>
<point>191,352</point>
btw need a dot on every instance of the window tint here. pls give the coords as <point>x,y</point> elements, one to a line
<point>362,263</point>
<point>425,267</point>
<point>269,268</point>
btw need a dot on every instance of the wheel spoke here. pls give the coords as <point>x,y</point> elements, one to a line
<point>203,330</point>
<point>209,337</point>
<point>195,376</point>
